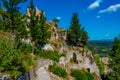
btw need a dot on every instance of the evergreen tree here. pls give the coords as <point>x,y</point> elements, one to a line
<point>45,34</point>
<point>3,19</point>
<point>40,32</point>
<point>38,28</point>
<point>21,31</point>
<point>84,37</point>
<point>14,61</point>
<point>14,22</point>
<point>115,60</point>
<point>74,31</point>
<point>12,9</point>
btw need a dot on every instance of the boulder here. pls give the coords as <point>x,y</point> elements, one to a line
<point>47,47</point>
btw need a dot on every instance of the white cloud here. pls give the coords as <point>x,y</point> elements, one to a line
<point>97,16</point>
<point>59,18</point>
<point>112,8</point>
<point>95,4</point>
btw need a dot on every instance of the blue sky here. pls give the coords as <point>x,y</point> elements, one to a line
<point>101,18</point>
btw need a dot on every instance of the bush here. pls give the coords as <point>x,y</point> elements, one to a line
<point>72,60</point>
<point>89,76</point>
<point>100,64</point>
<point>13,61</point>
<point>24,47</point>
<point>53,55</point>
<point>82,75</point>
<point>58,71</point>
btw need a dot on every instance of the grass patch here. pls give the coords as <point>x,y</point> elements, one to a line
<point>53,55</point>
<point>58,71</point>
<point>82,75</point>
<point>100,64</point>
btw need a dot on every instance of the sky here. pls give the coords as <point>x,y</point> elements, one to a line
<point>101,18</point>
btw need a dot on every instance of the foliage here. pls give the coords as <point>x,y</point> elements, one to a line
<point>38,27</point>
<point>13,21</point>
<point>75,35</point>
<point>3,19</point>
<point>25,47</point>
<point>45,34</point>
<point>84,37</point>
<point>14,61</point>
<point>21,31</point>
<point>56,21</point>
<point>101,47</point>
<point>100,64</point>
<point>53,55</point>
<point>89,76</point>
<point>13,10</point>
<point>82,75</point>
<point>74,31</point>
<point>115,60</point>
<point>72,60</point>
<point>58,70</point>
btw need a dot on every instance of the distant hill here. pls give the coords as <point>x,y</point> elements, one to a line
<point>101,47</point>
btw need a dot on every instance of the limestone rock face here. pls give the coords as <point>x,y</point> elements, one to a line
<point>36,9</point>
<point>82,57</point>
<point>54,77</point>
<point>86,61</point>
<point>83,60</point>
<point>54,31</point>
<point>41,71</point>
<point>105,60</point>
<point>47,47</point>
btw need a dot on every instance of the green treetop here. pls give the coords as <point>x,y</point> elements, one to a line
<point>13,10</point>
<point>38,28</point>
<point>84,37</point>
<point>115,60</point>
<point>76,35</point>
<point>74,31</point>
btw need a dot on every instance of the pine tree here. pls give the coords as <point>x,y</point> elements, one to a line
<point>14,21</point>
<point>21,31</point>
<point>84,37</point>
<point>45,34</point>
<point>12,9</point>
<point>38,28</point>
<point>115,60</point>
<point>3,19</point>
<point>74,31</point>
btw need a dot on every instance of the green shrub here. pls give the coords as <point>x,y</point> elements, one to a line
<point>78,75</point>
<point>89,76</point>
<point>72,60</point>
<point>14,61</point>
<point>100,64</point>
<point>53,55</point>
<point>24,47</point>
<point>82,75</point>
<point>58,71</point>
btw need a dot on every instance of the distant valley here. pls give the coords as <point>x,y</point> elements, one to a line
<point>101,47</point>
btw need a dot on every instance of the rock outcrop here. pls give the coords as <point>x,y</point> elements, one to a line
<point>105,60</point>
<point>82,57</point>
<point>36,9</point>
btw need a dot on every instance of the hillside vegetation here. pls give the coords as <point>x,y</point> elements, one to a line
<point>33,48</point>
<point>101,47</point>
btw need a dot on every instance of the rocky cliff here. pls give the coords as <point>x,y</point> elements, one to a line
<point>75,57</point>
